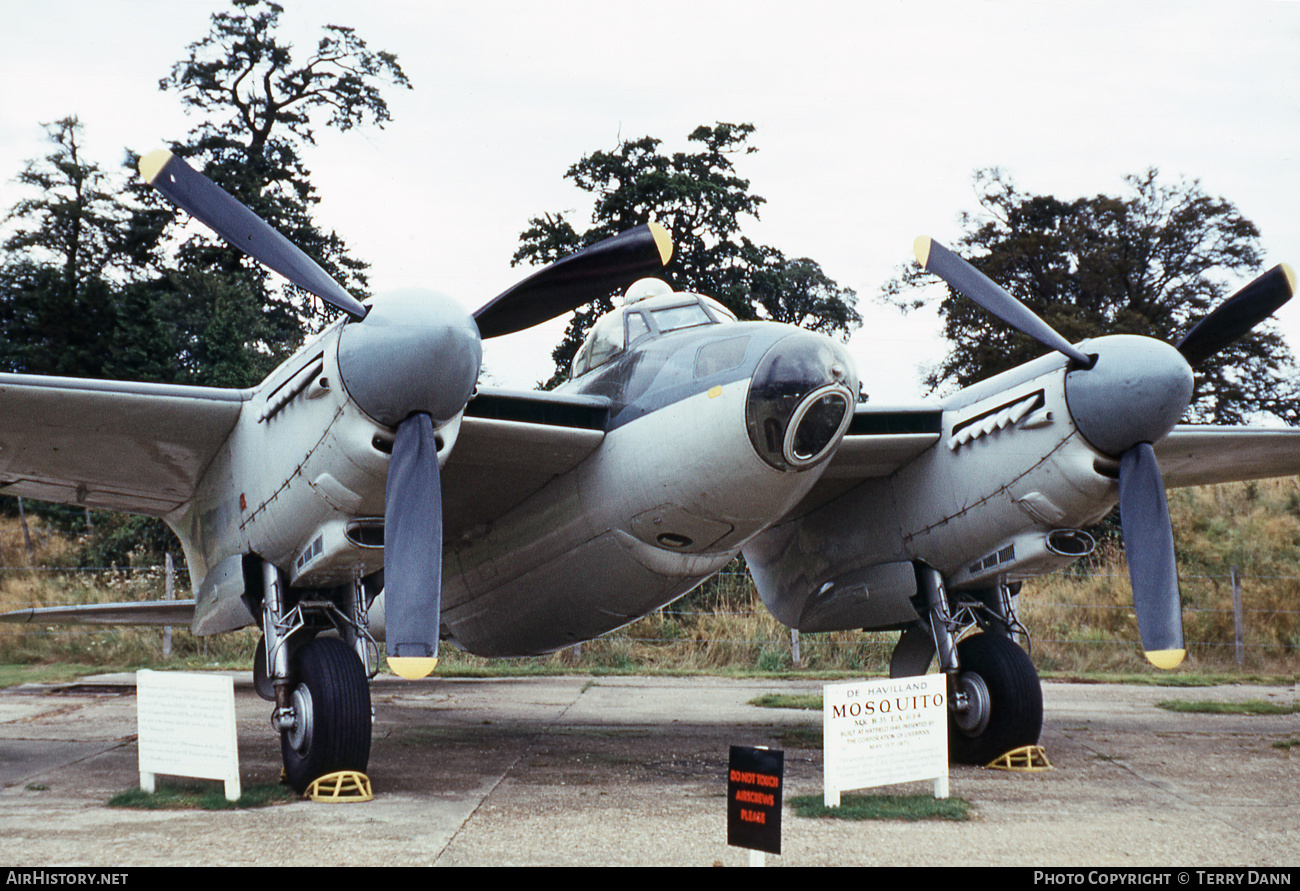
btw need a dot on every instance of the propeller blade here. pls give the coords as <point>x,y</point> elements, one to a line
<point>1241,312</point>
<point>213,206</point>
<point>578,279</point>
<point>936,258</point>
<point>413,550</point>
<point>1149,545</point>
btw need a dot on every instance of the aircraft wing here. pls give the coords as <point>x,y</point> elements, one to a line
<point>110,445</point>
<point>1197,456</point>
<point>511,443</point>
<point>880,440</point>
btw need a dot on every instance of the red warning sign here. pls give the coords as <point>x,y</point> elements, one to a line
<point>754,781</point>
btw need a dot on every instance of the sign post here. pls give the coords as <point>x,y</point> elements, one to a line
<point>877,733</point>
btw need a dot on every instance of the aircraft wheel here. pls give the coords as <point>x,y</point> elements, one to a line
<point>331,703</point>
<point>1006,700</point>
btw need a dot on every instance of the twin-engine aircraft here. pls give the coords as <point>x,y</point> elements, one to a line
<point>369,491</point>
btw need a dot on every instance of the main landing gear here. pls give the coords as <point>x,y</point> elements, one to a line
<point>995,700</point>
<point>320,685</point>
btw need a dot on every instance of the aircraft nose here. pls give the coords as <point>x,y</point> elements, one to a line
<point>801,400</point>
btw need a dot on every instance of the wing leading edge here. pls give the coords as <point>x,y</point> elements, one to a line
<point>1198,456</point>
<point>111,445</point>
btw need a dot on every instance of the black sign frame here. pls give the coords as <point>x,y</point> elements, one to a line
<point>755,783</point>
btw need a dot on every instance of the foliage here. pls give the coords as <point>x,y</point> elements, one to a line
<point>701,199</point>
<point>1081,623</point>
<point>1084,621</point>
<point>1153,261</point>
<point>98,280</point>
<point>57,309</point>
<point>260,109</point>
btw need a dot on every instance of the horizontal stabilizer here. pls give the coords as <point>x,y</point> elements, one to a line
<point>148,612</point>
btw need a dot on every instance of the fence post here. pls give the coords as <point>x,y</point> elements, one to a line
<point>27,536</point>
<point>169,593</point>
<point>794,648</point>
<point>1235,576</point>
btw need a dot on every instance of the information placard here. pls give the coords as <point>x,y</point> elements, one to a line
<point>186,725</point>
<point>881,732</point>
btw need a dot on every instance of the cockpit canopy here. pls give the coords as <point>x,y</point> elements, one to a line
<point>650,307</point>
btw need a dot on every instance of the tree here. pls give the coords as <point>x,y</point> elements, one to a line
<point>56,301</point>
<point>92,283</point>
<point>260,109</point>
<point>798,292</point>
<point>701,200</point>
<point>1153,262</point>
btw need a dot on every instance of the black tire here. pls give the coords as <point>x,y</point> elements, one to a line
<point>1014,706</point>
<point>332,696</point>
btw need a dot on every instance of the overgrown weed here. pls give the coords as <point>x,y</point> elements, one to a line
<point>1081,620</point>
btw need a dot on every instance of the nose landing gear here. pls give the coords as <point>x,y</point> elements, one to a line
<point>320,684</point>
<point>995,699</point>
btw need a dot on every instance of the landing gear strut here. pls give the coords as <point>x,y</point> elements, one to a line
<point>995,700</point>
<point>319,684</point>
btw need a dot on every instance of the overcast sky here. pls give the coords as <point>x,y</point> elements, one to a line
<point>871,118</point>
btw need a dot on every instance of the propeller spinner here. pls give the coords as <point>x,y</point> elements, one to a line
<point>1124,394</point>
<point>413,366</point>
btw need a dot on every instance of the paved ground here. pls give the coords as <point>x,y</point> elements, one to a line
<point>627,771</point>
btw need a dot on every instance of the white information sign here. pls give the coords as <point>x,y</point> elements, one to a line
<point>186,725</point>
<point>887,731</point>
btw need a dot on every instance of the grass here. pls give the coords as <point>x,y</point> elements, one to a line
<point>207,796</point>
<point>1081,620</point>
<point>13,675</point>
<point>808,736</point>
<point>1245,707</point>
<point>908,808</point>
<point>788,700</point>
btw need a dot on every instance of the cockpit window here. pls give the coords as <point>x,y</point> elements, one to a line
<point>637,327</point>
<point>654,313</point>
<point>671,318</point>
<point>720,312</point>
<point>604,342</point>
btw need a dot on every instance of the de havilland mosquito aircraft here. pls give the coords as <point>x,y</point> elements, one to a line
<point>368,490</point>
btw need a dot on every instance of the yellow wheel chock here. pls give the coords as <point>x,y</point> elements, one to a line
<point>1025,758</point>
<point>340,786</point>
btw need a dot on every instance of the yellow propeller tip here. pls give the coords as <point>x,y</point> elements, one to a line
<point>153,163</point>
<point>1165,659</point>
<point>412,667</point>
<point>663,241</point>
<point>1290,276</point>
<point>921,247</point>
